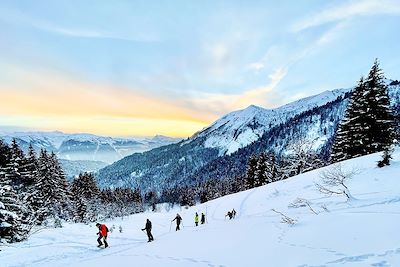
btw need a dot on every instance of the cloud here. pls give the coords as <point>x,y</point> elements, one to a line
<point>13,16</point>
<point>259,95</point>
<point>348,10</point>
<point>277,61</point>
<point>255,66</point>
<point>90,33</point>
<point>217,103</point>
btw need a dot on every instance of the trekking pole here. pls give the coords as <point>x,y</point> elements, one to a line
<point>170,225</point>
<point>206,215</point>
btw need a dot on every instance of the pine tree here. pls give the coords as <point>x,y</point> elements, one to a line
<point>30,166</point>
<point>62,196</point>
<point>273,170</point>
<point>12,226</point>
<point>47,196</point>
<point>86,197</point>
<point>381,132</point>
<point>260,174</point>
<point>5,154</point>
<point>14,166</point>
<point>368,125</point>
<point>250,172</point>
<point>30,178</point>
<point>80,210</point>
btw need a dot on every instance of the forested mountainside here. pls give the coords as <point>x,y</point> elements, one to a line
<point>195,160</point>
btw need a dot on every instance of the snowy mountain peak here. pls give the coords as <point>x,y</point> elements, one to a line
<point>242,127</point>
<point>253,108</point>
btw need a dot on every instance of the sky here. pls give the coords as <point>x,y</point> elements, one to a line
<point>140,68</point>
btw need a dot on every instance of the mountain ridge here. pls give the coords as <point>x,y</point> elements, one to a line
<point>84,146</point>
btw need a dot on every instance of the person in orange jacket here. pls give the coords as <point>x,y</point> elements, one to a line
<point>103,231</point>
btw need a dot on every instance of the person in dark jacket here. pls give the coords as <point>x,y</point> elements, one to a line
<point>103,231</point>
<point>233,213</point>
<point>178,219</point>
<point>147,227</point>
<point>203,218</point>
<point>229,214</point>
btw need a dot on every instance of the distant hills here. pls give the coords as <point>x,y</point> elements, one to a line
<point>85,152</point>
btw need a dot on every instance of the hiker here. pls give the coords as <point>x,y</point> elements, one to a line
<point>178,219</point>
<point>147,227</point>
<point>233,213</point>
<point>196,219</point>
<point>103,231</point>
<point>229,214</point>
<point>203,218</point>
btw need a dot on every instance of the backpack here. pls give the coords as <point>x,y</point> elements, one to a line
<point>106,229</point>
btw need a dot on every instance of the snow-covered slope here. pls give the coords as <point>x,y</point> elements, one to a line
<point>240,128</point>
<point>86,146</point>
<point>359,233</point>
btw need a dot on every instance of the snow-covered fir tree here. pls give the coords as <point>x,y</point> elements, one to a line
<point>14,167</point>
<point>382,130</point>
<point>51,198</point>
<point>13,227</point>
<point>368,125</point>
<point>86,197</point>
<point>63,196</point>
<point>274,172</point>
<point>29,169</point>
<point>348,139</point>
<point>250,172</point>
<point>260,174</point>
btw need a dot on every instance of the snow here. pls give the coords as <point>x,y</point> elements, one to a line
<point>5,225</point>
<point>360,232</point>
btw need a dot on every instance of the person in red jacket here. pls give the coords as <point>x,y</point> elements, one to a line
<point>103,231</point>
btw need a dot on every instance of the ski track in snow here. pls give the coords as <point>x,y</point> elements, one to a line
<point>243,203</point>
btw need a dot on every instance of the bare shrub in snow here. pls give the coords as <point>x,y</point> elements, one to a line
<point>386,157</point>
<point>301,158</point>
<point>285,219</point>
<point>301,203</point>
<point>325,208</point>
<point>334,179</point>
